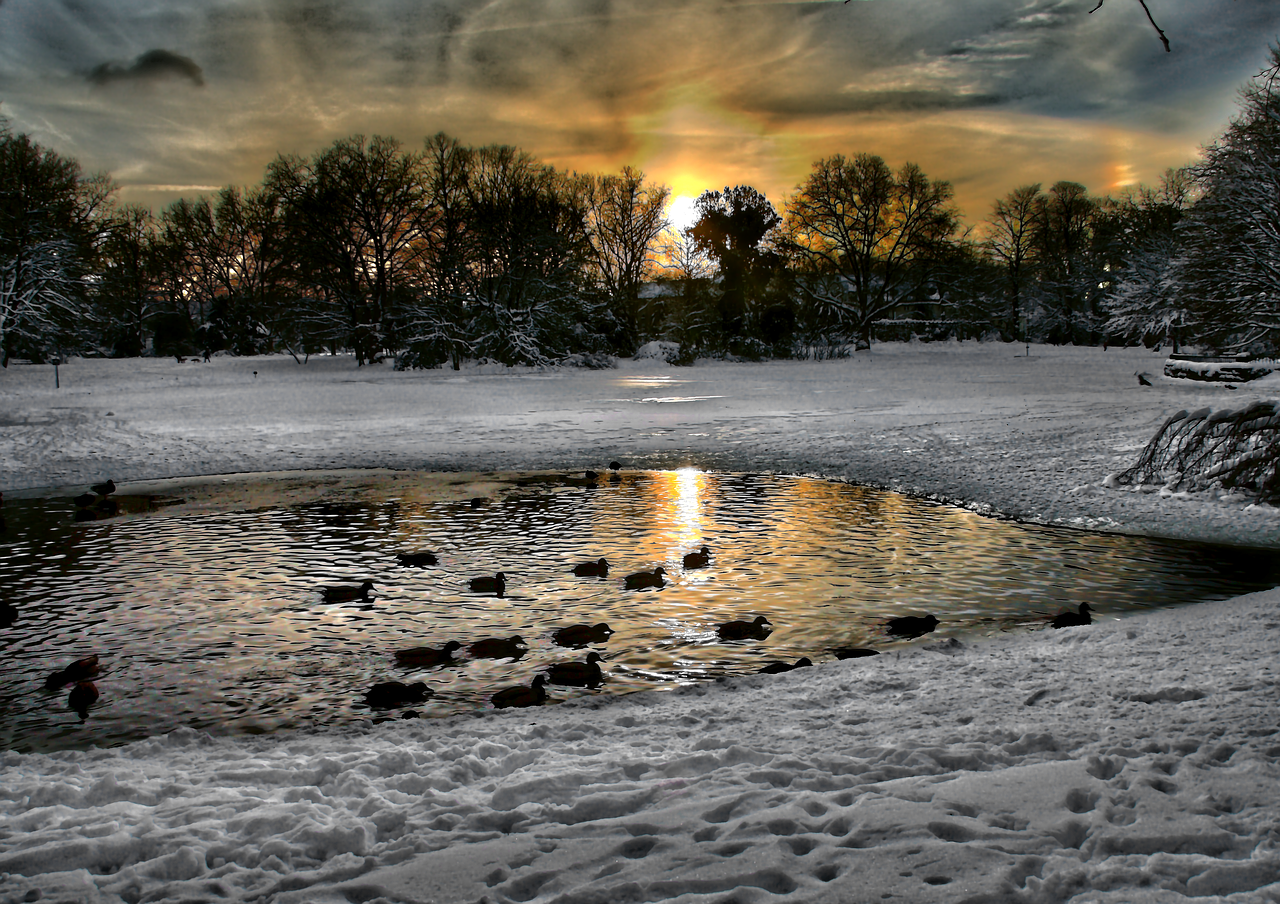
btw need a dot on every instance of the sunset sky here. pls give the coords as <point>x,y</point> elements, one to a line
<point>181,97</point>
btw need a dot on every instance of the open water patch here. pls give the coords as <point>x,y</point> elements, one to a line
<point>216,619</point>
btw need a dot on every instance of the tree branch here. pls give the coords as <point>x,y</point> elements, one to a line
<point>1164,39</point>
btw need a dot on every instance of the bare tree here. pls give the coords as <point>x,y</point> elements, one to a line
<point>1010,241</point>
<point>1164,39</point>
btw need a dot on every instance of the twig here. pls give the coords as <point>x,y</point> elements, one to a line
<point>1164,39</point>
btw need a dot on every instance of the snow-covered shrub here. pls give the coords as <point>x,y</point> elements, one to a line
<point>1232,449</point>
<point>659,349</point>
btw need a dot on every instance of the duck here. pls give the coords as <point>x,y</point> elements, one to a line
<point>757,629</point>
<point>911,625</point>
<point>345,593</point>
<point>386,694</point>
<point>82,696</point>
<point>497,585</point>
<point>416,559</point>
<point>80,670</point>
<point>853,652</point>
<point>615,465</point>
<point>84,500</point>
<point>699,559</point>
<point>496,648</point>
<point>104,489</point>
<point>427,657</point>
<point>642,579</point>
<point>777,668</point>
<point>597,569</point>
<point>1073,619</point>
<point>533,695</point>
<point>581,635</point>
<point>578,674</point>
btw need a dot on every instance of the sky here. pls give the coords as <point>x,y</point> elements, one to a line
<point>181,97</point>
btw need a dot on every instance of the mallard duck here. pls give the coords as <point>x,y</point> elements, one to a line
<point>1073,619</point>
<point>427,657</point>
<point>82,696</point>
<point>496,648</point>
<point>911,625</point>
<point>578,674</point>
<point>597,569</point>
<point>643,579</point>
<point>534,695</point>
<point>581,635</point>
<point>386,694</point>
<point>497,585</point>
<point>416,559</point>
<point>699,559</point>
<point>853,652</point>
<point>104,489</point>
<point>758,629</point>
<point>615,465</point>
<point>345,593</point>
<point>80,670</point>
<point>777,668</point>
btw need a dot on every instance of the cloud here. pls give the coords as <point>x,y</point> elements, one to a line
<point>154,65</point>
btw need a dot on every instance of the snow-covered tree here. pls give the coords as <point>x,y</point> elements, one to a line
<point>1229,267</point>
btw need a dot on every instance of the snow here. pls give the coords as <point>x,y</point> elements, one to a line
<point>1130,760</point>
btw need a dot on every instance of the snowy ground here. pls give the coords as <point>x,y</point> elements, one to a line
<point>1133,760</point>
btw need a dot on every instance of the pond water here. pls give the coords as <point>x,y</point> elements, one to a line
<point>218,620</point>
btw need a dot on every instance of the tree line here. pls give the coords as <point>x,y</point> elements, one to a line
<point>447,253</point>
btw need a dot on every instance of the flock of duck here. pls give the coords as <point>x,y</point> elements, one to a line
<point>588,673</point>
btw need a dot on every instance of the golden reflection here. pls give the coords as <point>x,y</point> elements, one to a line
<point>688,486</point>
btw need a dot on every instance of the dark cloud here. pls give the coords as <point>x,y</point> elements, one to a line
<point>153,65</point>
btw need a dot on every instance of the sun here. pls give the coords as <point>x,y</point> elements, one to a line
<point>682,212</point>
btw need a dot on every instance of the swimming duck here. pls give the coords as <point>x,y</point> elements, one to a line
<point>427,657</point>
<point>104,489</point>
<point>642,579</point>
<point>699,559</point>
<point>416,559</point>
<point>597,569</point>
<point>496,648</point>
<point>80,670</point>
<point>386,694</point>
<point>911,625</point>
<point>758,629</point>
<point>777,668</point>
<point>1073,619</point>
<point>615,465</point>
<point>345,593</point>
<point>853,652</point>
<point>534,695</point>
<point>578,674</point>
<point>82,696</point>
<point>581,635</point>
<point>497,585</point>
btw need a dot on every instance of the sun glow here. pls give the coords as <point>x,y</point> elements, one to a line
<point>682,212</point>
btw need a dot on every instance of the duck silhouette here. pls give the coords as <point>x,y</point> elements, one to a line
<point>644,579</point>
<point>497,585</point>
<point>346,593</point>
<point>386,694</point>
<point>757,629</point>
<point>699,559</point>
<point>84,500</point>
<point>578,674</point>
<point>533,695</point>
<point>497,648</point>
<point>597,569</point>
<point>581,635</point>
<point>853,652</point>
<point>777,668</point>
<point>416,559</point>
<point>104,489</point>
<point>911,625</point>
<point>615,465</point>
<point>1073,619</point>
<point>80,670</point>
<point>427,657</point>
<point>82,696</point>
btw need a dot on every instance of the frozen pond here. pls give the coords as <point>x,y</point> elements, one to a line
<point>218,620</point>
